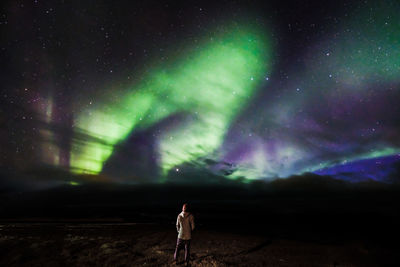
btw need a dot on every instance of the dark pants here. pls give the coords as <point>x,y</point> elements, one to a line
<point>180,243</point>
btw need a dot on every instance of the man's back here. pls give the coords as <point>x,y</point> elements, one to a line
<point>185,225</point>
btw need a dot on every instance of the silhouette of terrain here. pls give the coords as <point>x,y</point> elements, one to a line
<point>305,220</point>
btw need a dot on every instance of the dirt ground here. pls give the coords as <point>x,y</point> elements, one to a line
<point>127,244</point>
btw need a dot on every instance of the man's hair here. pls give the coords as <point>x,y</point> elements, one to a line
<point>185,207</point>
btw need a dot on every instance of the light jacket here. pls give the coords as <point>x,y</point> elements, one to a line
<point>185,225</point>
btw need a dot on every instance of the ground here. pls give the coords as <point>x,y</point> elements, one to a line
<point>128,244</point>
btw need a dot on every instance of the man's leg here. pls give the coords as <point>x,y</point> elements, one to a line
<point>187,250</point>
<point>178,248</point>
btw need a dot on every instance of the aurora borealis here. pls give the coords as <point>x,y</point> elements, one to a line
<point>223,70</point>
<point>154,92</point>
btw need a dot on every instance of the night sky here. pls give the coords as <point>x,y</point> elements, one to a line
<point>187,91</point>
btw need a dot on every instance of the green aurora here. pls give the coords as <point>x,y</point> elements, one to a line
<point>210,85</point>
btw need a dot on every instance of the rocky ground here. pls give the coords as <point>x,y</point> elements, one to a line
<point>127,244</point>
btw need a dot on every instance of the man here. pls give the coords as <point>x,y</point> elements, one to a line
<point>184,226</point>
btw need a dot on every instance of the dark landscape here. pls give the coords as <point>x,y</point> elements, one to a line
<point>275,224</point>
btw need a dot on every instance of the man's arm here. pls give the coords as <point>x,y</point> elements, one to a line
<point>177,224</point>
<point>192,222</point>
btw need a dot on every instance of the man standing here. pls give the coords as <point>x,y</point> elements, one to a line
<point>184,226</point>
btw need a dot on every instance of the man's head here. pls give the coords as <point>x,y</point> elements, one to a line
<point>185,207</point>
